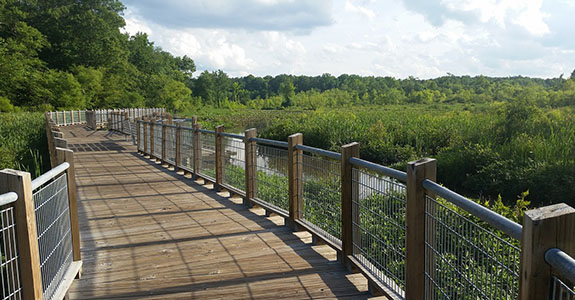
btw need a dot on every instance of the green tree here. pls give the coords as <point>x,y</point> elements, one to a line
<point>287,91</point>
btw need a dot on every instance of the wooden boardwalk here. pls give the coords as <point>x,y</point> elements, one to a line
<point>150,233</point>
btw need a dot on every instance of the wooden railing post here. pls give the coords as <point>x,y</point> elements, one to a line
<point>138,136</point>
<point>251,167</point>
<point>197,150</point>
<point>349,213</point>
<point>219,158</point>
<point>294,178</point>
<point>178,146</point>
<point>163,159</point>
<point>50,139</point>
<point>146,129</point>
<point>417,171</point>
<point>26,234</point>
<point>60,143</point>
<point>543,228</point>
<point>152,124</point>
<point>67,155</point>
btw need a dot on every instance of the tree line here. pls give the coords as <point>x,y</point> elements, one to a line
<point>71,54</point>
<point>312,92</point>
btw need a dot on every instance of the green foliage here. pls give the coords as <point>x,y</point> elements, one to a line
<point>23,144</point>
<point>64,54</point>
<point>480,152</point>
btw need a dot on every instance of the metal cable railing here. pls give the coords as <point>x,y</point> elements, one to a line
<point>207,153</point>
<point>234,165</point>
<point>467,257</point>
<point>186,149</point>
<point>170,139</point>
<point>321,191</point>
<point>11,285</point>
<point>271,172</point>
<point>379,202</point>
<point>53,227</point>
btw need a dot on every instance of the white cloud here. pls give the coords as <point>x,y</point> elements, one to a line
<point>357,8</point>
<point>422,38</point>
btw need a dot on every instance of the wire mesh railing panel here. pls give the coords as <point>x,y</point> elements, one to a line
<point>234,165</point>
<point>11,284</point>
<point>148,140</point>
<point>170,145</point>
<point>561,291</point>
<point>207,159</point>
<point>83,116</point>
<point>186,150</point>
<point>379,204</point>
<point>272,176</point>
<point>141,142</point>
<point>67,117</point>
<point>157,151</point>
<point>321,195</point>
<point>466,258</point>
<point>60,116</point>
<point>54,233</point>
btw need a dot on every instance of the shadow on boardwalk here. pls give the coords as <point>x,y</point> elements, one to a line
<point>148,232</point>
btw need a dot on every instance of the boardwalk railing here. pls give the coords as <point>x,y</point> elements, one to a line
<point>40,233</point>
<point>411,237</point>
<point>39,219</point>
<point>99,117</point>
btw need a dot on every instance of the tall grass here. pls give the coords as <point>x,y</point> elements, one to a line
<point>23,143</point>
<point>483,152</point>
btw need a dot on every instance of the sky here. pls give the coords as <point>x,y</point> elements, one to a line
<point>398,38</point>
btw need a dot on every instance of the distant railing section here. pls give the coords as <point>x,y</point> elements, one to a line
<point>100,117</point>
<point>411,237</point>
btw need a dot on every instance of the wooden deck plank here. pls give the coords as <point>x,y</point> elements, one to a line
<point>150,233</point>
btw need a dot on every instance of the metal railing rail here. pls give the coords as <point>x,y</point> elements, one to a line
<point>267,142</point>
<point>319,152</point>
<point>387,171</point>
<point>490,217</point>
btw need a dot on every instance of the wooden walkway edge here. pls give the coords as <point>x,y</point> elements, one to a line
<point>150,233</point>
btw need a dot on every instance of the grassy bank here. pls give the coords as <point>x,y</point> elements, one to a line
<point>23,144</point>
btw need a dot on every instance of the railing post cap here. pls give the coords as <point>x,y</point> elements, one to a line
<point>421,161</point>
<point>352,144</point>
<point>548,212</point>
<point>295,135</point>
<point>14,172</point>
